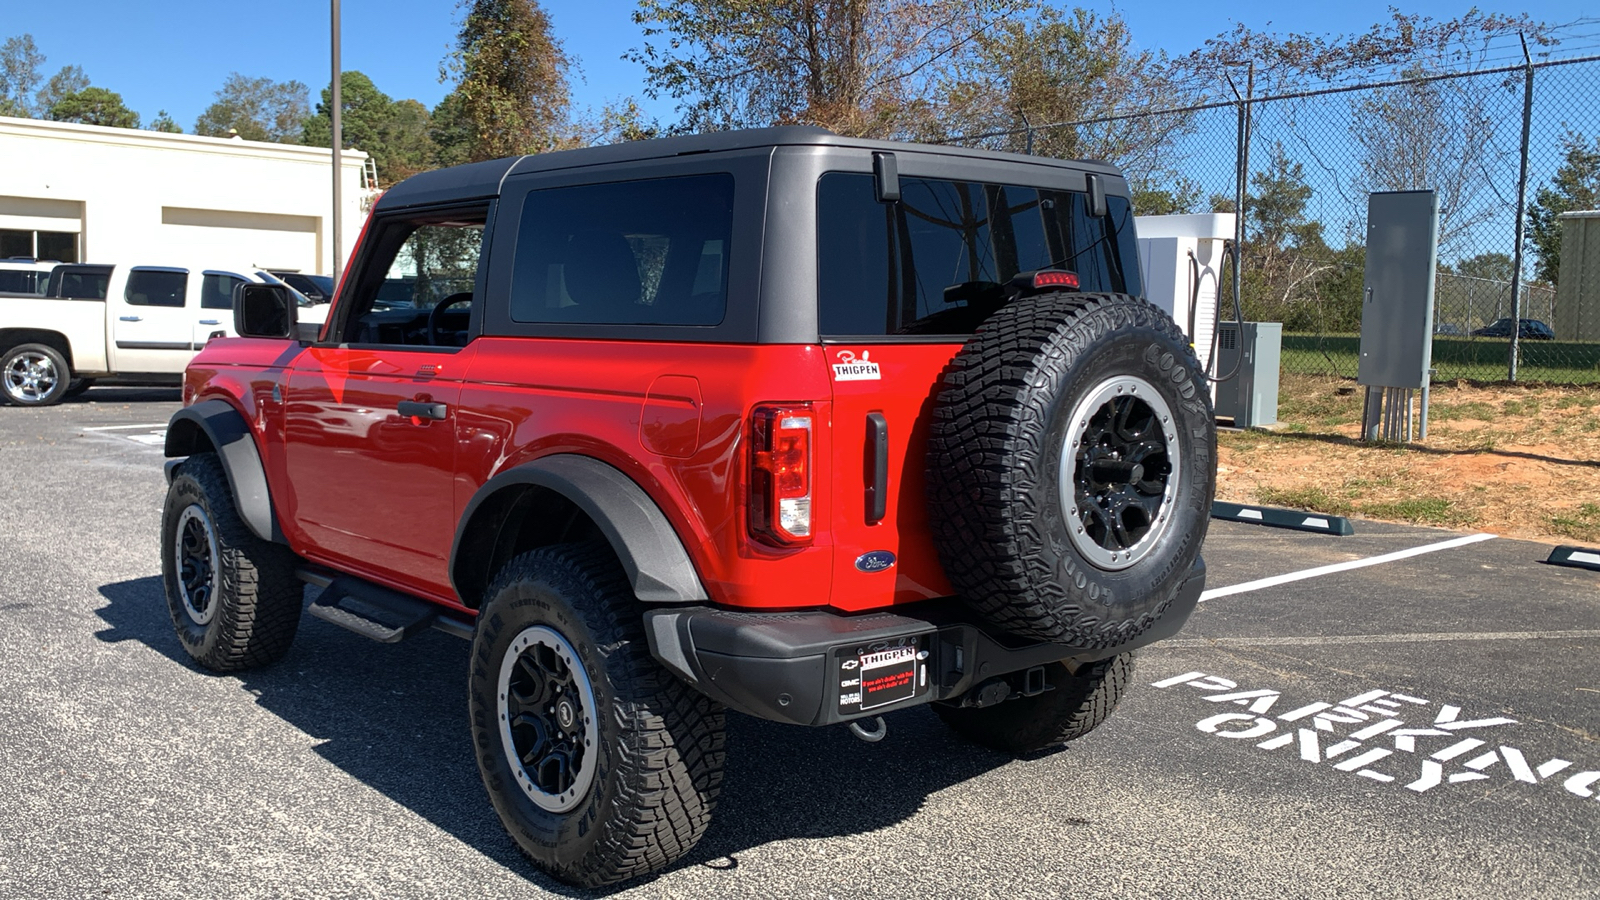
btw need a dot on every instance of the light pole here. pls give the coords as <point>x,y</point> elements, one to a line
<point>338,140</point>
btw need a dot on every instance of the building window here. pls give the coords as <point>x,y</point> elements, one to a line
<point>60,246</point>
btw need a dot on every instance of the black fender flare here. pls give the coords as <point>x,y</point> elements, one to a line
<point>230,434</point>
<point>657,565</point>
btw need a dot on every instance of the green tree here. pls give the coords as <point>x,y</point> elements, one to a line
<point>452,135</point>
<point>871,68</point>
<point>1083,69</point>
<point>1290,273</point>
<point>164,122</point>
<point>396,134</point>
<point>1487,266</point>
<point>94,106</point>
<point>257,109</point>
<point>511,94</point>
<point>1575,186</point>
<point>70,80</point>
<point>20,61</point>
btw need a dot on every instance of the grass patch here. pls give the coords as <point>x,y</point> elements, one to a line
<point>1454,412</point>
<point>1583,524</point>
<point>1312,499</point>
<point>1421,511</point>
<point>1476,359</point>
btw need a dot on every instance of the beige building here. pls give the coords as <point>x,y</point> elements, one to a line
<point>1577,312</point>
<point>85,193</point>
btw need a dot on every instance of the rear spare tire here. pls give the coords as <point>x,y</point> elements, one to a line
<point>1071,467</point>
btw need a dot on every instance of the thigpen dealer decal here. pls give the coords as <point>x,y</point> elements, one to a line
<point>851,368</point>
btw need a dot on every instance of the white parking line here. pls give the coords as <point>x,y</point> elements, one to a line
<point>1276,580</point>
<point>126,427</point>
<point>1419,638</point>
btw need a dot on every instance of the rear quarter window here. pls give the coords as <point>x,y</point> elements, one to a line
<point>626,253</point>
<point>934,263</point>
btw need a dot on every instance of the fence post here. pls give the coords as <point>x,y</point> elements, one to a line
<point>1522,207</point>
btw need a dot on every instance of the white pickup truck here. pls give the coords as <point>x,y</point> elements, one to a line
<point>116,324</point>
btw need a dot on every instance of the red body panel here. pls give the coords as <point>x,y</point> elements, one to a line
<point>362,489</point>
<point>903,392</point>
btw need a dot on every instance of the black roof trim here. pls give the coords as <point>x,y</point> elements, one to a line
<point>484,179</point>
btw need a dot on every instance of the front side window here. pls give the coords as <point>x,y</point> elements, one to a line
<point>630,253</point>
<point>216,290</point>
<point>417,286</point>
<point>936,262</point>
<point>157,287</point>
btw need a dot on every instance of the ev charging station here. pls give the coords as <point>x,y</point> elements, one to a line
<point>1181,258</point>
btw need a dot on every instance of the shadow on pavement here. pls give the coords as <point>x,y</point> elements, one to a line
<point>394,717</point>
<point>93,395</point>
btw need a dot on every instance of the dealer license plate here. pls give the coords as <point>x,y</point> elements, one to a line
<point>888,676</point>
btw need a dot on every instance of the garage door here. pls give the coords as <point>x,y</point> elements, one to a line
<point>264,240</point>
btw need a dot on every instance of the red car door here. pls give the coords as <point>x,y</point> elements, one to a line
<point>371,456</point>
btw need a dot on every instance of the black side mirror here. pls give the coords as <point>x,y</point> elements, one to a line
<point>263,311</point>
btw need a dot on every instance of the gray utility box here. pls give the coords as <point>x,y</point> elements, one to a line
<point>1252,350</point>
<point>1397,312</point>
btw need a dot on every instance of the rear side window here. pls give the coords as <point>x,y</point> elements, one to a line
<point>80,282</point>
<point>18,281</point>
<point>216,290</point>
<point>157,287</point>
<point>935,263</point>
<point>629,253</point>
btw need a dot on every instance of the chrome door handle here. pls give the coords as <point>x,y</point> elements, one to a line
<point>210,322</point>
<point>132,319</point>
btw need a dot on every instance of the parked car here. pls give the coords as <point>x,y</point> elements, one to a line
<point>1530,330</point>
<point>116,324</point>
<point>713,427</point>
<point>27,277</point>
<point>1448,329</point>
<point>317,288</point>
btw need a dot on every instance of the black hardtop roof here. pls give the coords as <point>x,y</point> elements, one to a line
<point>479,180</point>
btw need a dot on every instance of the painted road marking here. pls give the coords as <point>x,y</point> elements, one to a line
<point>1425,637</point>
<point>161,425</point>
<point>1302,575</point>
<point>1376,735</point>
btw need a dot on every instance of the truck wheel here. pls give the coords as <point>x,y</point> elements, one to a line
<point>1076,705</point>
<point>34,375</point>
<point>233,598</point>
<point>1071,468</point>
<point>602,765</point>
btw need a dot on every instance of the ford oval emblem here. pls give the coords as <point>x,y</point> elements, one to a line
<point>876,561</point>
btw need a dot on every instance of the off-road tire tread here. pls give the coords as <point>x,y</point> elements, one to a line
<point>991,414</point>
<point>672,749</point>
<point>259,599</point>
<point>1077,705</point>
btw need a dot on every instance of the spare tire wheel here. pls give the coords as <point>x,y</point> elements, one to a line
<point>1071,467</point>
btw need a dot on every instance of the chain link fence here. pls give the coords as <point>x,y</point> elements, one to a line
<point>1312,159</point>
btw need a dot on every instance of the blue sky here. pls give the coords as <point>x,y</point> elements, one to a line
<point>174,55</point>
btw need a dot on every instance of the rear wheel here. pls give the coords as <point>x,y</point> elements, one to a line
<point>34,375</point>
<point>1077,703</point>
<point>602,765</point>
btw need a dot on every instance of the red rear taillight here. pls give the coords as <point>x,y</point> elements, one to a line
<point>1055,278</point>
<point>780,474</point>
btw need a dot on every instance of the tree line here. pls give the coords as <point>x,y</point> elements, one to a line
<point>1019,75</point>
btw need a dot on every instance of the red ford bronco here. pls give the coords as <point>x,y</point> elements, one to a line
<point>803,426</point>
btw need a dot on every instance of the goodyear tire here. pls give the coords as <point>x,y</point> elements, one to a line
<point>602,765</point>
<point>233,598</point>
<point>1071,468</point>
<point>1078,701</point>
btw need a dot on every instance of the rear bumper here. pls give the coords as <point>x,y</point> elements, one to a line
<point>805,668</point>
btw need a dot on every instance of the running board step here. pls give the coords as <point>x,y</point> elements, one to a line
<point>376,612</point>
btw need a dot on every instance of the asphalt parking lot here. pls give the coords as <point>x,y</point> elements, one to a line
<point>1427,726</point>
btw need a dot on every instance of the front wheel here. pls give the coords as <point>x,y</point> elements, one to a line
<point>1078,702</point>
<point>34,375</point>
<point>233,597</point>
<point>602,765</point>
